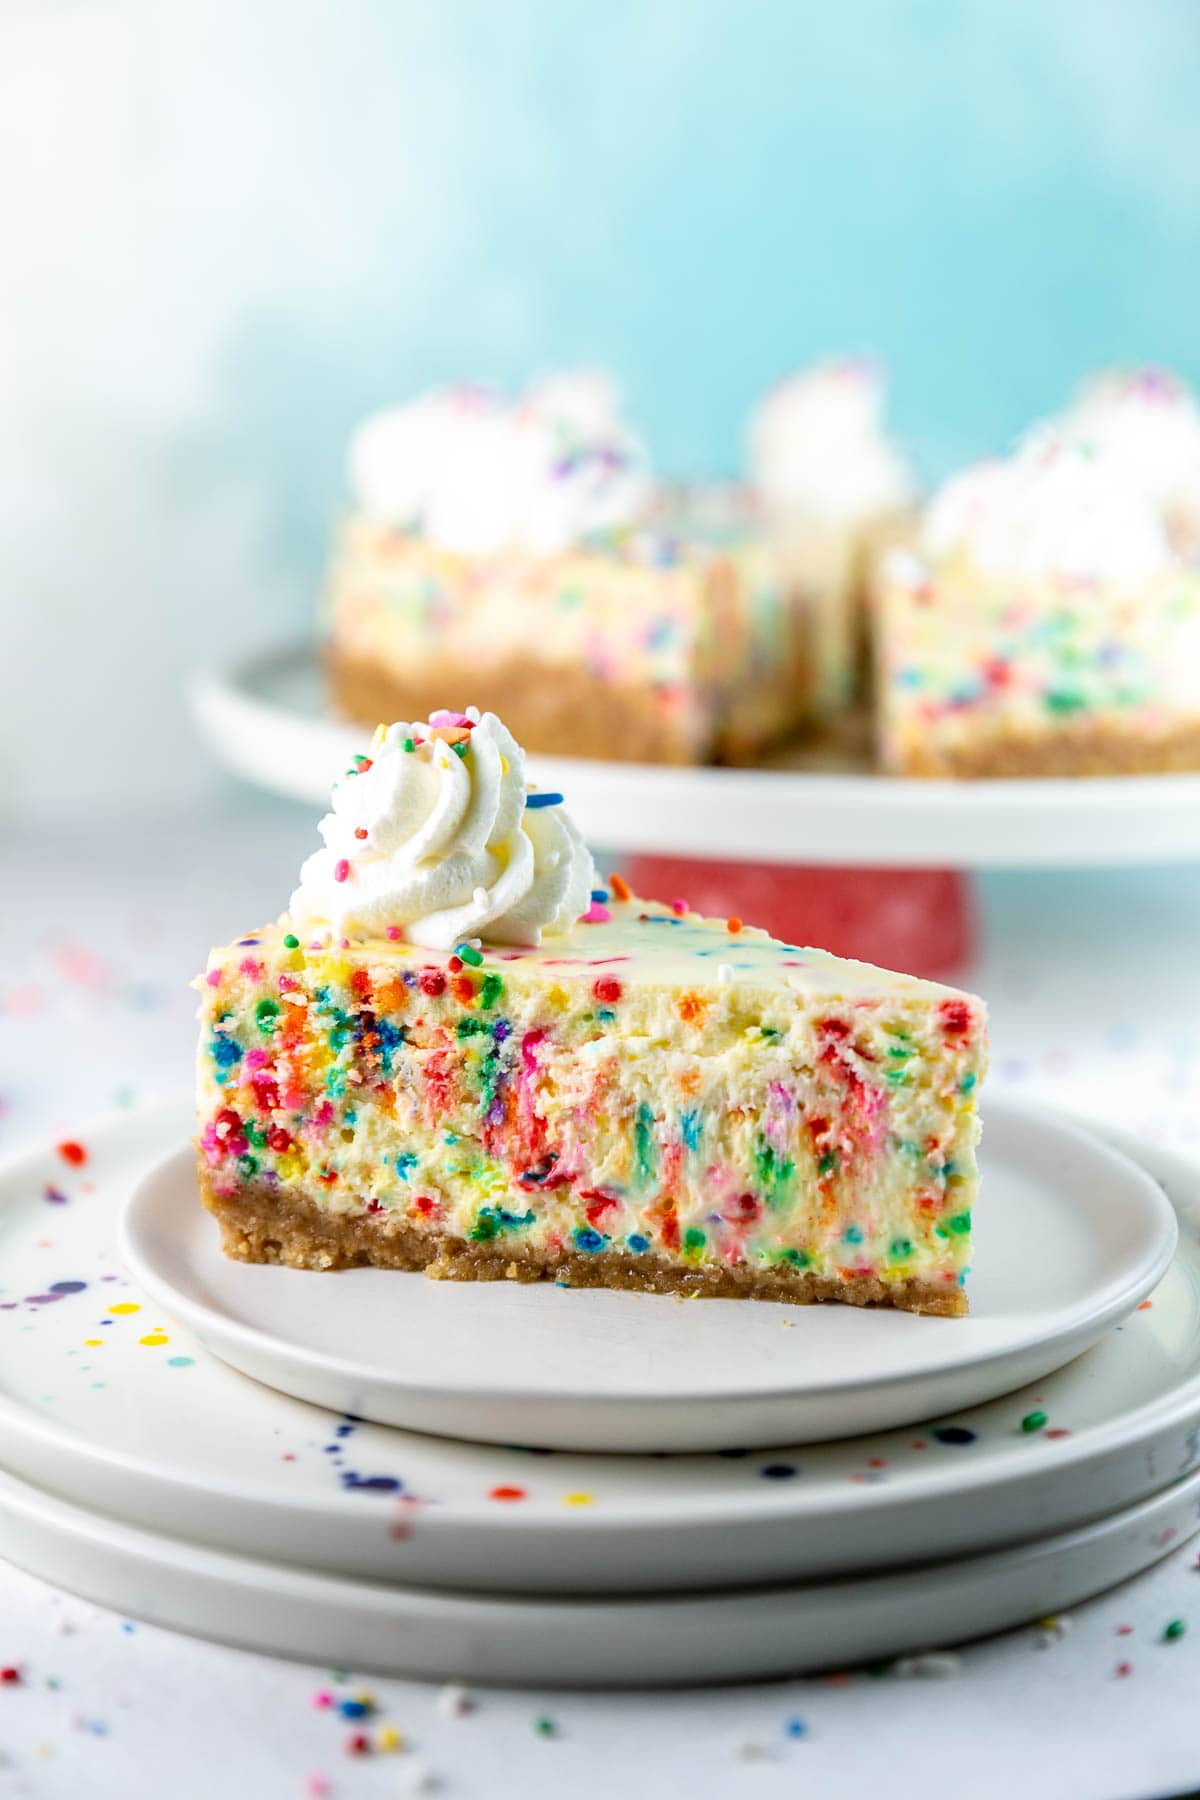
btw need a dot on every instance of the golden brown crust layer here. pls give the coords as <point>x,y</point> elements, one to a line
<point>560,712</point>
<point>258,1224</point>
<point>1077,747</point>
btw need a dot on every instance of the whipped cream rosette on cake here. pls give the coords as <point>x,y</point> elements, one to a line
<point>1146,423</point>
<point>434,835</point>
<point>478,475</point>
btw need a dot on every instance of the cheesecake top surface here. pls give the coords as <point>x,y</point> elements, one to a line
<point>638,943</point>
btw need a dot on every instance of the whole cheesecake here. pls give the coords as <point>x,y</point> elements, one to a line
<point>455,1053</point>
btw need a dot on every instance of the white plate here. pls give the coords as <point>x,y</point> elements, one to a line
<point>165,1435</point>
<point>1069,1237</point>
<point>611,1642</point>
<point>266,718</point>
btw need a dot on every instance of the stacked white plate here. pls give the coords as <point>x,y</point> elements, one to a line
<point>1004,1466</point>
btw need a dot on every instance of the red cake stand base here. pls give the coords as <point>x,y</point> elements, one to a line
<point>918,920</point>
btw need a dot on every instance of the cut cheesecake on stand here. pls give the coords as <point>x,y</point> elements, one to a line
<point>1048,627</point>
<point>456,1054</point>
<point>602,614</point>
<point>834,491</point>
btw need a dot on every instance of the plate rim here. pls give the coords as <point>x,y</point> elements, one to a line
<point>451,1600</point>
<point>766,1630</point>
<point>769,1504</point>
<point>1122,1296</point>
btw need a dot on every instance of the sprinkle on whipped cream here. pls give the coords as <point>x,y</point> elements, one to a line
<point>817,445</point>
<point>1054,509</point>
<point>434,836</point>
<point>479,474</point>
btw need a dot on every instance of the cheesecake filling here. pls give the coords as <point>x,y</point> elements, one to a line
<point>600,1102</point>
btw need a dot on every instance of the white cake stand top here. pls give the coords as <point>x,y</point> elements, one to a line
<point>266,718</point>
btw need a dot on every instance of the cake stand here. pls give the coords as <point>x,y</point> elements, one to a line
<point>820,849</point>
<point>266,718</point>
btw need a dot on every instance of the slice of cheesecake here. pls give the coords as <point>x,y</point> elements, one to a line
<point>644,1099</point>
<point>1048,626</point>
<point>600,612</point>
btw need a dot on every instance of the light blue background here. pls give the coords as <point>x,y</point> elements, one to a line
<point>995,196</point>
<point>232,229</point>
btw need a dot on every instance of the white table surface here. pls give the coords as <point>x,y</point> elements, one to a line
<point>1094,983</point>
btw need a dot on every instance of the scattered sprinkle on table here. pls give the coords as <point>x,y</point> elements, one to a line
<point>1174,1630</point>
<point>1033,1421</point>
<point>751,1750</point>
<point>420,1779</point>
<point>454,1702</point>
<point>934,1665</point>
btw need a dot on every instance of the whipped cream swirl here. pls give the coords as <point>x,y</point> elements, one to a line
<point>964,507</point>
<point>443,843</point>
<point>478,474</point>
<point>817,445</point>
<point>1147,421</point>
<point>1054,509</point>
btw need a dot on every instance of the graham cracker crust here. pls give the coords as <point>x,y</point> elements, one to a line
<point>260,1225</point>
<point>564,712</point>
<point>555,711</point>
<point>1086,747</point>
